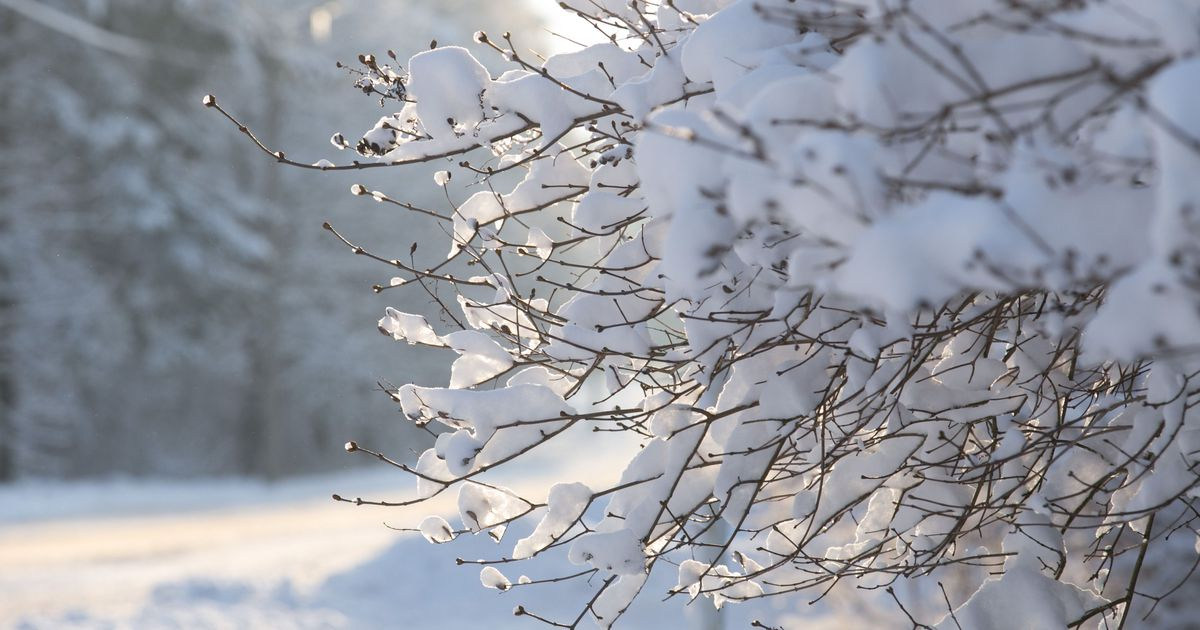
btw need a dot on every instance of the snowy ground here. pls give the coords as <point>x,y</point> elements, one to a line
<point>244,554</point>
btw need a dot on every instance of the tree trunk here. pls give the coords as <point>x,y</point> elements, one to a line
<point>7,386</point>
<point>265,429</point>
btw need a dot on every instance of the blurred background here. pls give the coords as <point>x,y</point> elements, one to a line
<point>169,304</point>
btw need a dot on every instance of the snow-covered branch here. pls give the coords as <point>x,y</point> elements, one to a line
<point>904,293</point>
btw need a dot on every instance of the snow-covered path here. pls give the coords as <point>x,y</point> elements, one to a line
<point>235,543</point>
<point>111,566</point>
<point>245,554</point>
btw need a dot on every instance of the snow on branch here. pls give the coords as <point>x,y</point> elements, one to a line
<point>907,293</point>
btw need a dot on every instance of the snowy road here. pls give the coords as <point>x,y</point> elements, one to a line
<point>236,546</point>
<point>111,566</point>
<point>244,554</point>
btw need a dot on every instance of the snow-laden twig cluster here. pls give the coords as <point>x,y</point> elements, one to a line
<point>908,291</point>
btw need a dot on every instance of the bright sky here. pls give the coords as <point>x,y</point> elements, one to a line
<point>566,24</point>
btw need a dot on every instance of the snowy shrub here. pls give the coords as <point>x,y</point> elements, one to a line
<point>906,293</point>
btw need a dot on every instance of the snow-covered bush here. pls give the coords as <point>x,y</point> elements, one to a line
<point>906,293</point>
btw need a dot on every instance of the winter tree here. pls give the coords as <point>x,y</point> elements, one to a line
<point>901,297</point>
<point>163,308</point>
<point>109,257</point>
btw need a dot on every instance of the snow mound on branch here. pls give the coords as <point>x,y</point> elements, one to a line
<point>481,358</point>
<point>408,327</point>
<point>564,507</point>
<point>618,552</point>
<point>449,86</point>
<point>863,282</point>
<point>1044,603</point>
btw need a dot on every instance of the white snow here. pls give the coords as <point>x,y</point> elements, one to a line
<point>237,553</point>
<point>564,507</point>
<point>491,577</point>
<point>449,86</point>
<point>436,530</point>
<point>408,327</point>
<point>481,358</point>
<point>870,283</point>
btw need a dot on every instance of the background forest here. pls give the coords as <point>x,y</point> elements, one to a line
<point>168,302</point>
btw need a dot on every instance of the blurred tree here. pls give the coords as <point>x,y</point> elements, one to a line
<point>133,317</point>
<point>168,301</point>
<point>7,465</point>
